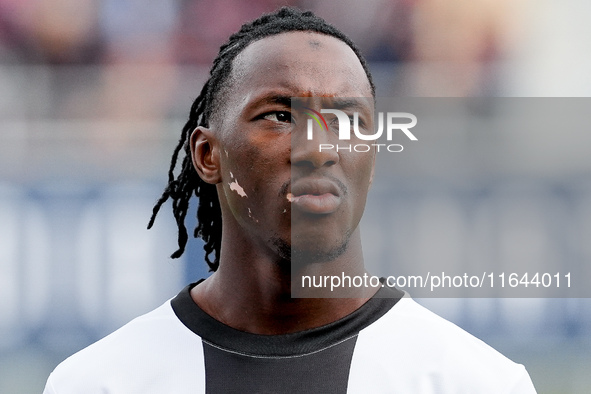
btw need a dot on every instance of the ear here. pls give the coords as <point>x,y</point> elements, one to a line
<point>205,155</point>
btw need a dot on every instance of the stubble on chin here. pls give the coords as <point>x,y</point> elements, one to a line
<point>301,257</point>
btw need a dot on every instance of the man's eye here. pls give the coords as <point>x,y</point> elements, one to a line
<point>278,116</point>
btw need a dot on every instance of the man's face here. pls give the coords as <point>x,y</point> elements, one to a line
<point>276,187</point>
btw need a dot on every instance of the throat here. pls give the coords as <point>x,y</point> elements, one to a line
<point>268,310</point>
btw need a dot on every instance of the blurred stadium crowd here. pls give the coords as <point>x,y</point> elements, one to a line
<point>183,32</point>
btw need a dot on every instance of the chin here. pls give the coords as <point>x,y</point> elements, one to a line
<point>303,252</point>
<point>303,256</point>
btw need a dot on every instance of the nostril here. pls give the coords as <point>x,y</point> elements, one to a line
<point>304,164</point>
<point>312,156</point>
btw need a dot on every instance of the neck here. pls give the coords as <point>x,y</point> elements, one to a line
<point>252,290</point>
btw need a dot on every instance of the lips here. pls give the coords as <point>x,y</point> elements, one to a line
<point>315,196</point>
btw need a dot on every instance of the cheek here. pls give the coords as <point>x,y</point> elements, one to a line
<point>253,170</point>
<point>361,166</point>
<point>244,174</point>
<point>360,175</point>
<point>237,185</point>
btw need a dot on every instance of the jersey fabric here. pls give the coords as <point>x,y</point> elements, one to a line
<point>389,345</point>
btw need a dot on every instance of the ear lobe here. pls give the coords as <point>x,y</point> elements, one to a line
<point>205,155</point>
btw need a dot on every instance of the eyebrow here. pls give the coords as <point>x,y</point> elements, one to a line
<point>272,99</point>
<point>288,101</point>
<point>347,103</point>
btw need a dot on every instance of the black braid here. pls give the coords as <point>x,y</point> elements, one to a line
<point>187,183</point>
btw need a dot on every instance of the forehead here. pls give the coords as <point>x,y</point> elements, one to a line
<point>302,64</point>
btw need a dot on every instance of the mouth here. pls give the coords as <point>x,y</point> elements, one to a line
<point>315,196</point>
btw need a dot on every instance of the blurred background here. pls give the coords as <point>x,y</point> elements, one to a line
<point>94,93</point>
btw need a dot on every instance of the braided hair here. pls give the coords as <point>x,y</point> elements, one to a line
<point>181,187</point>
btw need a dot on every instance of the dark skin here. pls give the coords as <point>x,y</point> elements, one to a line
<point>256,154</point>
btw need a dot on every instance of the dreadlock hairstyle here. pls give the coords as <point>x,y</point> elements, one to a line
<point>181,187</point>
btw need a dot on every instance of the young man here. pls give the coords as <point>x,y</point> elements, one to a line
<point>266,197</point>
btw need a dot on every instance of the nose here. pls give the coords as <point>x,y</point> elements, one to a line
<point>314,149</point>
